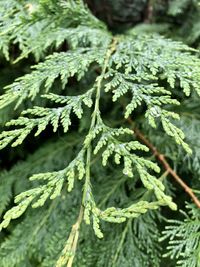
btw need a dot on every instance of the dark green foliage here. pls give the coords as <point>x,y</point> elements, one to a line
<point>184,237</point>
<point>79,188</point>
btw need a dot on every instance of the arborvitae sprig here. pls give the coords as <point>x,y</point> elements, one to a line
<point>41,117</point>
<point>136,68</point>
<point>37,26</point>
<point>63,65</point>
<point>52,188</point>
<point>184,239</point>
<point>136,72</point>
<point>55,180</point>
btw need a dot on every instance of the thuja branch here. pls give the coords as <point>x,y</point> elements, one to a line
<point>165,164</point>
<point>68,253</point>
<point>69,250</point>
<point>121,243</point>
<point>146,196</point>
<point>95,116</point>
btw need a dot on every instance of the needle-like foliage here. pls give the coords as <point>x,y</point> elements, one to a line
<point>184,243</point>
<point>88,84</point>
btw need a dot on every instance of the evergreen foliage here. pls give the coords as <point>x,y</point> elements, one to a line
<point>184,237</point>
<point>92,194</point>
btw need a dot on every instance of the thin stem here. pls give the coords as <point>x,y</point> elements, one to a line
<point>96,112</point>
<point>95,115</point>
<point>68,253</point>
<point>114,188</point>
<point>75,236</point>
<point>165,164</point>
<point>123,237</point>
<point>69,250</point>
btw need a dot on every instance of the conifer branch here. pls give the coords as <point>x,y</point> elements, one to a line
<point>165,164</point>
<point>68,253</point>
<point>96,114</point>
<point>87,67</point>
<point>123,237</point>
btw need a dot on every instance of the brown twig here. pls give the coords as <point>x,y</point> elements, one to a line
<point>165,164</point>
